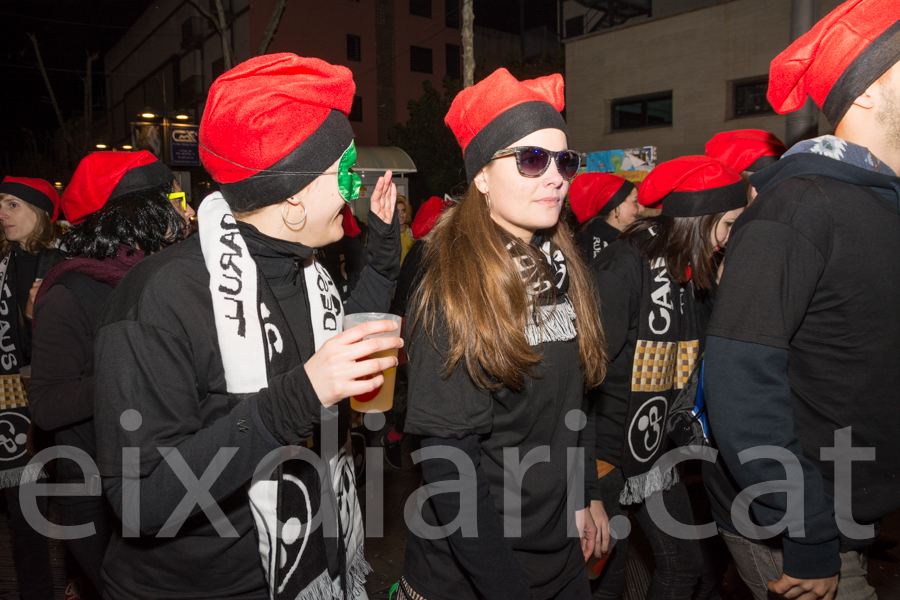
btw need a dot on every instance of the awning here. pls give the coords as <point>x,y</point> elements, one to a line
<point>382,158</point>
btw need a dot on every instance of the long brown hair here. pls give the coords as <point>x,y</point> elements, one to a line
<point>681,242</point>
<point>470,276</point>
<point>44,236</point>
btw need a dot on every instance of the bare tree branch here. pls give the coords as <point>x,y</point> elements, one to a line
<point>89,103</point>
<point>271,27</point>
<point>62,124</point>
<point>468,40</point>
<point>219,22</point>
<point>202,10</point>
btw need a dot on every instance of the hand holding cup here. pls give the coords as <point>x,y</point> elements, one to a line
<point>337,370</point>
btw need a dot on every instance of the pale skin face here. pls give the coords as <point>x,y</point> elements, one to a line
<point>17,217</point>
<point>321,202</point>
<point>722,231</point>
<point>403,213</point>
<point>524,205</point>
<point>626,213</point>
<point>185,215</point>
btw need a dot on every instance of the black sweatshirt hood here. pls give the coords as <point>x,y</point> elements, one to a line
<point>810,164</point>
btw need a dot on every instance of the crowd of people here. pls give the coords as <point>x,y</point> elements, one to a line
<point>727,323</point>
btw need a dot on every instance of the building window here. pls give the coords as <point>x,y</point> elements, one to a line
<point>643,111</point>
<point>575,26</point>
<point>420,60</point>
<point>750,98</point>
<point>454,70</point>
<point>354,48</point>
<point>451,14</point>
<point>420,8</point>
<point>356,109</point>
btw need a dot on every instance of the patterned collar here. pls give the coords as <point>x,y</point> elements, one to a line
<point>844,151</point>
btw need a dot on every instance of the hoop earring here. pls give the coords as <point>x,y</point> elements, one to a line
<point>288,223</point>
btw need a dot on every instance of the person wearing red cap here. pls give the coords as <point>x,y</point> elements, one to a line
<point>228,348</point>
<point>804,338</point>
<point>652,284</point>
<point>28,208</point>
<point>746,151</point>
<point>122,211</point>
<point>605,206</point>
<point>496,363</point>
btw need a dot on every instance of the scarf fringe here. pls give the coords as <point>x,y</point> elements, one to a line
<point>556,324</point>
<point>356,577</point>
<point>641,487</point>
<point>21,476</point>
<point>319,589</point>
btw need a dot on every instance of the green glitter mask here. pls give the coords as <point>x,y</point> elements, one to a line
<point>348,182</point>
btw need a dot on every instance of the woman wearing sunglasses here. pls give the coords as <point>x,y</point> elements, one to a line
<point>652,284</point>
<point>28,208</point>
<point>120,207</point>
<point>228,348</point>
<point>497,367</point>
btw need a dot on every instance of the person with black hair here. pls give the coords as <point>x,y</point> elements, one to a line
<point>117,220</point>
<point>651,283</point>
<point>27,248</point>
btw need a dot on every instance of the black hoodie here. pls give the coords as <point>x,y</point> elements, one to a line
<point>805,341</point>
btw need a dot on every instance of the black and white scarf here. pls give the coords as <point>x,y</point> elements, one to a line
<point>301,563</point>
<point>14,416</point>
<point>664,357</point>
<point>554,320</point>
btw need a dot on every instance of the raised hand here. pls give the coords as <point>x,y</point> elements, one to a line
<point>384,198</point>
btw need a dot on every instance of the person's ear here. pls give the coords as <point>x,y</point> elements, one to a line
<point>480,181</point>
<point>866,100</point>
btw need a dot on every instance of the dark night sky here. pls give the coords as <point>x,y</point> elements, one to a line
<point>68,29</point>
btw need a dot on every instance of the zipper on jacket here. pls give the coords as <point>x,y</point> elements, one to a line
<point>296,271</point>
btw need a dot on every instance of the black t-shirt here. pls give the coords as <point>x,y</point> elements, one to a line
<point>455,408</point>
<point>812,268</point>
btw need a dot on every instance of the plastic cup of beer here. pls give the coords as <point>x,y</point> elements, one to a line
<point>382,399</point>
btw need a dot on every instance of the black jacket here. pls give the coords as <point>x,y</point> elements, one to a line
<point>157,354</point>
<point>596,235</point>
<point>803,342</point>
<point>618,279</point>
<point>61,392</point>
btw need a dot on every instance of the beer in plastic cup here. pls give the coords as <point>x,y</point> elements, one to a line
<point>382,399</point>
<point>594,565</point>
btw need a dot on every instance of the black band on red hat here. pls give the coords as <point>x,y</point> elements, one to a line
<point>27,193</point>
<point>705,202</point>
<point>295,171</point>
<point>144,177</point>
<point>511,125</point>
<point>761,163</point>
<point>873,62</point>
<point>618,198</point>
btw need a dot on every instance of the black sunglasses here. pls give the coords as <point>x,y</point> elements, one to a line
<point>533,161</point>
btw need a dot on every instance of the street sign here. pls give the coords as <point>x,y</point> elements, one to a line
<point>184,145</point>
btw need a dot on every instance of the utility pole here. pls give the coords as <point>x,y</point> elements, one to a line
<point>468,39</point>
<point>802,124</point>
